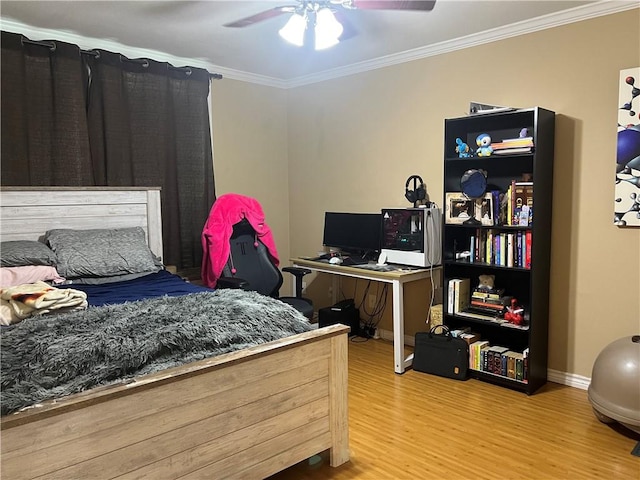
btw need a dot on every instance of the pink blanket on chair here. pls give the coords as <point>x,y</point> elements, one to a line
<point>226,211</point>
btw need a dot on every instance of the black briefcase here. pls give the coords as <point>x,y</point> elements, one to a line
<point>441,354</point>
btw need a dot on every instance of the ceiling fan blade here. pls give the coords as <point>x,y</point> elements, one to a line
<point>260,17</point>
<point>348,29</point>
<point>393,5</point>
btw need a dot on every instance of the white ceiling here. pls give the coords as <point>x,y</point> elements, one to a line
<point>192,32</point>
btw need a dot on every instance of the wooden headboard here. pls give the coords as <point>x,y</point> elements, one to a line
<point>26,213</point>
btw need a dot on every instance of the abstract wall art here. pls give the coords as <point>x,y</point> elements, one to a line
<point>627,186</point>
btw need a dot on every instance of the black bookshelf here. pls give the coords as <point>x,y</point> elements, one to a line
<point>530,285</point>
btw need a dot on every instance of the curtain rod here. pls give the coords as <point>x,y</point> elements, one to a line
<point>52,46</point>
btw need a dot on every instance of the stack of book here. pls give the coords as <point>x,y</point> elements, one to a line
<point>490,302</point>
<point>511,146</point>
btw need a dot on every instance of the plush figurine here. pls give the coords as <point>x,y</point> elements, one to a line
<point>484,145</point>
<point>486,282</point>
<point>514,313</point>
<point>462,149</point>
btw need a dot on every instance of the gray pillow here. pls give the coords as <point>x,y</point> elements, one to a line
<point>101,252</point>
<point>104,280</point>
<point>20,253</point>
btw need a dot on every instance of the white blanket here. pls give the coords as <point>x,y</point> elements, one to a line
<point>21,301</point>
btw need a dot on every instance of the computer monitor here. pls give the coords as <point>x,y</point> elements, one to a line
<point>354,233</point>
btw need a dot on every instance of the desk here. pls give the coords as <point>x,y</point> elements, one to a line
<point>396,278</point>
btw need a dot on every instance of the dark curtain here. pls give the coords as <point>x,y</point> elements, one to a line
<point>148,126</point>
<point>44,123</point>
<point>98,118</point>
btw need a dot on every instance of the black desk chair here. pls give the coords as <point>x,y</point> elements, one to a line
<point>251,267</point>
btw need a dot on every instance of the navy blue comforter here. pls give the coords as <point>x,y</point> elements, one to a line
<point>150,286</point>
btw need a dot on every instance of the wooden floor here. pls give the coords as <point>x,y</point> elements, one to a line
<point>418,426</point>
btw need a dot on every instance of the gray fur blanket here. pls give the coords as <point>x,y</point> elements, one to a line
<point>52,356</point>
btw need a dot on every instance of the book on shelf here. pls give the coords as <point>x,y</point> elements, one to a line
<point>518,250</point>
<point>490,312</point>
<point>503,365</point>
<point>521,196</point>
<point>525,216</point>
<point>495,293</point>
<point>459,331</point>
<point>508,324</point>
<point>472,248</point>
<point>501,249</point>
<point>462,294</point>
<point>524,139</point>
<point>468,313</point>
<point>458,294</point>
<point>491,304</point>
<point>513,142</point>
<point>488,306</point>
<point>499,360</point>
<point>485,355</point>
<point>493,359</point>
<point>475,354</point>
<point>451,294</point>
<point>497,199</point>
<point>519,366</point>
<point>512,150</point>
<point>516,196</point>
<point>507,249</point>
<point>509,204</point>
<point>511,364</point>
<point>470,337</point>
<point>491,300</point>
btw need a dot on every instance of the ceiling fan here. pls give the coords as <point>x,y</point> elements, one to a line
<point>326,17</point>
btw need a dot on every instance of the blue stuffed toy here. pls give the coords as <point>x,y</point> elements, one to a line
<point>462,149</point>
<point>484,145</point>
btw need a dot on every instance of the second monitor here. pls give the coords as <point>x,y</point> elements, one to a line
<point>357,234</point>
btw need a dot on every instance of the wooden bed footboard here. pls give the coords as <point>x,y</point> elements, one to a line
<point>246,414</point>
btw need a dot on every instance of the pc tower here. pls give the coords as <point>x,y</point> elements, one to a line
<point>412,236</point>
<point>344,312</point>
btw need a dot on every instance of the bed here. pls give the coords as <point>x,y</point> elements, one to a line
<point>248,413</point>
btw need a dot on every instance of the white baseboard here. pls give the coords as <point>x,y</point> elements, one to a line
<point>388,335</point>
<point>555,376</point>
<point>569,379</point>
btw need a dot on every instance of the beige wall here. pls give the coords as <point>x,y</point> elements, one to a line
<point>250,151</point>
<point>350,144</point>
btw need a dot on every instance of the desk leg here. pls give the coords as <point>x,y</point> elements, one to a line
<point>335,287</point>
<point>398,329</point>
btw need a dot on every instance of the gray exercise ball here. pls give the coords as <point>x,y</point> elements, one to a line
<point>614,391</point>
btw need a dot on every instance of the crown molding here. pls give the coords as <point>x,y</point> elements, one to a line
<point>577,14</point>
<point>88,43</point>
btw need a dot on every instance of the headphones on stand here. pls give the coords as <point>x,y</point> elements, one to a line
<point>419,191</point>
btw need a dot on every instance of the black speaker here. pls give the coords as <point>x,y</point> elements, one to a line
<point>419,191</point>
<point>344,312</point>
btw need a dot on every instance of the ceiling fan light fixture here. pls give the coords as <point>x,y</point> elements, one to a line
<point>293,30</point>
<point>327,29</point>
